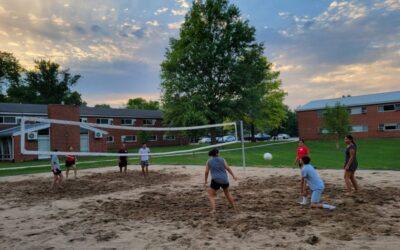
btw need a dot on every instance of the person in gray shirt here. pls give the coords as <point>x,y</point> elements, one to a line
<point>219,178</point>
<point>56,169</point>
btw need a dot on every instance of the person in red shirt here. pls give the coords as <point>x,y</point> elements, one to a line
<point>302,150</point>
<point>70,163</point>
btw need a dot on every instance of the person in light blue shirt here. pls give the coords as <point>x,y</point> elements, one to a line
<point>56,169</point>
<point>310,176</point>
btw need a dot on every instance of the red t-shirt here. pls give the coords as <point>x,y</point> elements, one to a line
<point>302,151</point>
<point>70,159</point>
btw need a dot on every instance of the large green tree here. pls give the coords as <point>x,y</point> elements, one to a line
<point>10,72</point>
<point>140,103</point>
<point>336,121</point>
<point>47,83</point>
<point>215,68</point>
<point>102,106</point>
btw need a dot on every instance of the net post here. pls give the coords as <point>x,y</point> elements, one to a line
<point>22,136</point>
<point>242,139</point>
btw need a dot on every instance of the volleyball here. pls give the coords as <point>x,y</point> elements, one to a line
<point>267,156</point>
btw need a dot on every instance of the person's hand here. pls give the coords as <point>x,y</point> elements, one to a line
<point>235,178</point>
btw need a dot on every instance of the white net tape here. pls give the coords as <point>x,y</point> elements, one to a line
<point>25,151</point>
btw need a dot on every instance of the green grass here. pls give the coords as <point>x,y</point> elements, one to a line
<point>382,154</point>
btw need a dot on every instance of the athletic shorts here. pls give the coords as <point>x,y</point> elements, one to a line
<point>316,196</point>
<point>216,186</point>
<point>123,164</point>
<point>56,172</point>
<point>144,163</point>
<point>69,164</point>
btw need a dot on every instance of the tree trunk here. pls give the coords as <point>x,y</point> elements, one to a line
<point>253,132</point>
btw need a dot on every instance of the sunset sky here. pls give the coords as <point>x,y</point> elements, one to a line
<point>323,48</point>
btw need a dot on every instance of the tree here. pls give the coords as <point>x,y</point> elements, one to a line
<point>289,125</point>
<point>102,106</point>
<point>10,72</point>
<point>214,67</point>
<point>46,84</point>
<point>336,121</point>
<point>140,103</point>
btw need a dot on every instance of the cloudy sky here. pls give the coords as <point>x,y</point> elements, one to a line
<point>323,48</point>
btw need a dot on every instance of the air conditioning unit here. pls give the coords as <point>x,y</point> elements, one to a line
<point>98,135</point>
<point>32,136</point>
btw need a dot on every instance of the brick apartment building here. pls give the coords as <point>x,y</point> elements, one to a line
<point>374,116</point>
<point>45,137</point>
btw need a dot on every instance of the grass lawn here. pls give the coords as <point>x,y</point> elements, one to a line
<point>382,154</point>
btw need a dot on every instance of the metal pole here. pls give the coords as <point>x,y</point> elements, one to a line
<point>22,136</point>
<point>242,138</point>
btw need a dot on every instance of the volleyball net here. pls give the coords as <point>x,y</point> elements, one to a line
<point>106,137</point>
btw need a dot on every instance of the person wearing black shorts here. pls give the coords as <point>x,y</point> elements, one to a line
<point>123,160</point>
<point>56,170</point>
<point>219,178</point>
<point>144,153</point>
<point>70,163</point>
<point>350,165</point>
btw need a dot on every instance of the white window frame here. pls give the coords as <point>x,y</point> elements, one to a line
<point>128,124</point>
<point>155,138</point>
<point>356,110</point>
<point>364,128</point>
<point>84,119</point>
<point>165,137</point>
<point>9,123</point>
<point>153,122</point>
<point>383,128</point>
<point>109,121</point>
<point>123,138</point>
<point>396,107</point>
<point>110,136</point>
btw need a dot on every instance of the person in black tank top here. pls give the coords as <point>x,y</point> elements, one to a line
<point>350,164</point>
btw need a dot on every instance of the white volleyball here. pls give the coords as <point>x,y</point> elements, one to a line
<point>267,156</point>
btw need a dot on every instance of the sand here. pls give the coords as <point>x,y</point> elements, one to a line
<point>104,209</point>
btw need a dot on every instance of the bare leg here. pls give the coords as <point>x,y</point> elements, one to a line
<point>347,181</point>
<point>66,173</point>
<point>75,170</point>
<point>60,179</point>
<point>354,181</point>
<point>230,198</point>
<point>55,180</point>
<point>143,171</point>
<point>120,170</point>
<point>125,168</point>
<point>147,170</point>
<point>211,196</point>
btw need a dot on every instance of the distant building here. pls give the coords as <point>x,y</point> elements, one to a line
<point>371,116</point>
<point>44,136</point>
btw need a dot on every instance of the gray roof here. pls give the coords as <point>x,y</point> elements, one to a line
<point>41,109</point>
<point>351,101</point>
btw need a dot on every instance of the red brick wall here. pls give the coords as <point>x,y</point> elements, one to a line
<point>30,145</point>
<point>117,133</point>
<point>63,136</point>
<point>309,123</point>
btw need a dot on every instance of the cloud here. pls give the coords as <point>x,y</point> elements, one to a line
<point>390,5</point>
<point>180,12</point>
<point>160,11</point>
<point>175,25</point>
<point>183,4</point>
<point>153,23</point>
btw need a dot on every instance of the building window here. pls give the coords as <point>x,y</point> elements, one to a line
<point>110,139</point>
<point>169,137</point>
<point>127,122</point>
<point>358,128</point>
<point>152,138</point>
<point>358,110</point>
<point>389,127</point>
<point>128,138</point>
<point>389,107</point>
<point>323,131</point>
<point>83,119</point>
<point>104,121</point>
<point>149,121</point>
<point>8,120</point>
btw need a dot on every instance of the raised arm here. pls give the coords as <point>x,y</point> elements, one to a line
<point>229,170</point>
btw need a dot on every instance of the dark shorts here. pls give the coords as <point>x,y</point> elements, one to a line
<point>123,164</point>
<point>56,172</point>
<point>69,164</point>
<point>144,163</point>
<point>216,186</point>
<point>352,168</point>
